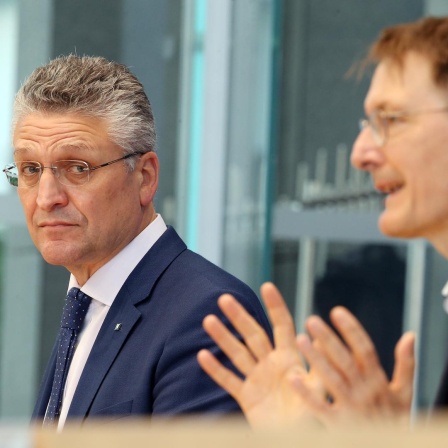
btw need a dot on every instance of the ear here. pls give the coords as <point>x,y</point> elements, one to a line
<point>148,166</point>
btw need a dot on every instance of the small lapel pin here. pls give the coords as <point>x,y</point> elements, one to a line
<point>117,327</point>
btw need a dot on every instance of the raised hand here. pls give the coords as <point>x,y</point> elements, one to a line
<point>267,394</point>
<point>352,374</point>
<point>347,386</point>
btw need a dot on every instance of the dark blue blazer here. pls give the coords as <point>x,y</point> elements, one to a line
<point>442,394</point>
<point>149,366</point>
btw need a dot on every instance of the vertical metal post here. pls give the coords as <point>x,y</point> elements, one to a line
<point>414,301</point>
<point>305,282</point>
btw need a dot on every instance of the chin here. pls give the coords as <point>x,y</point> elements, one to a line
<point>55,260</point>
<point>395,229</point>
<point>57,254</point>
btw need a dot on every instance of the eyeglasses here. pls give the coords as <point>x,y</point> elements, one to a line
<point>68,172</point>
<point>380,121</point>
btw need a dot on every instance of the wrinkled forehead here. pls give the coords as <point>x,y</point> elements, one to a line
<point>59,133</point>
<point>406,85</point>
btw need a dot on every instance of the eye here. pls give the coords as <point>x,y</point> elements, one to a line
<point>391,118</point>
<point>29,168</point>
<point>75,167</point>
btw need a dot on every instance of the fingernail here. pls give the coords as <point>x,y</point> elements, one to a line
<point>304,341</point>
<point>313,323</point>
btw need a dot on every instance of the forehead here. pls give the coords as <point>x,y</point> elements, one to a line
<point>52,129</point>
<point>407,86</point>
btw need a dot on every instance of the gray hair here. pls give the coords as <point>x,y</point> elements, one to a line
<point>93,87</point>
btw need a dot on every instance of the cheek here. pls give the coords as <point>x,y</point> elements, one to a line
<point>429,197</point>
<point>28,202</point>
<point>112,208</point>
<point>430,175</point>
<point>431,154</point>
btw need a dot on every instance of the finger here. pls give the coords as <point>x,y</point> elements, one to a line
<point>220,374</point>
<point>315,402</point>
<point>372,381</point>
<point>332,379</point>
<point>403,375</point>
<point>281,319</point>
<point>359,342</point>
<point>334,350</point>
<point>253,334</point>
<point>235,350</point>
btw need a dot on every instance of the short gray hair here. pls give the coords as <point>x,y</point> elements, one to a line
<point>93,87</point>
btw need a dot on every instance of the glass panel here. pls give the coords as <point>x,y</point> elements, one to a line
<point>20,321</point>
<point>8,61</point>
<point>142,34</point>
<point>369,280</point>
<point>249,139</point>
<point>319,199</point>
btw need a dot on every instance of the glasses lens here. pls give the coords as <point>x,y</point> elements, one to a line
<point>378,128</point>
<point>363,123</point>
<point>27,173</point>
<point>11,174</point>
<point>72,172</point>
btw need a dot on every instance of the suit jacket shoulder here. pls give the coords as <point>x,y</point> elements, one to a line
<point>149,366</point>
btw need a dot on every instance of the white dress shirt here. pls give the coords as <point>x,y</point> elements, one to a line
<point>445,297</point>
<point>103,287</point>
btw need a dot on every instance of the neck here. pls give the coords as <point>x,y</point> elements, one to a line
<point>440,243</point>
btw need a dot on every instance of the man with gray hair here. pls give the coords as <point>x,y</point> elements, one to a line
<point>86,173</point>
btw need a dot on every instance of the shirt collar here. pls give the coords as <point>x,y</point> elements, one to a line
<point>445,290</point>
<point>107,281</point>
<point>445,297</point>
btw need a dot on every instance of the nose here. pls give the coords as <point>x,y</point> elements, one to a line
<point>51,192</point>
<point>366,154</point>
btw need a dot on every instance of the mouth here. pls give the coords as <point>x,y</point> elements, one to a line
<point>55,224</point>
<point>389,188</point>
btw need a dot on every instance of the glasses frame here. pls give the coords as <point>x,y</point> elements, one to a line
<point>55,169</point>
<point>379,121</point>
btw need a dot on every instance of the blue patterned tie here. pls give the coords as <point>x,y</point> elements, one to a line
<point>75,310</point>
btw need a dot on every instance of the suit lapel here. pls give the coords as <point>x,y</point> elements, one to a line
<point>124,310</point>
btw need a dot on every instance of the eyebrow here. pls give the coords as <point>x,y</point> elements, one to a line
<point>75,147</point>
<point>385,105</point>
<point>19,150</point>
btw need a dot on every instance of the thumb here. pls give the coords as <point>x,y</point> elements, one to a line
<point>403,375</point>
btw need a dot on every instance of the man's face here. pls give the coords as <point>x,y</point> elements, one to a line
<point>411,167</point>
<point>82,227</point>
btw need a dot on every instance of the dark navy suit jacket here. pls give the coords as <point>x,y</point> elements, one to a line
<point>149,366</point>
<point>442,394</point>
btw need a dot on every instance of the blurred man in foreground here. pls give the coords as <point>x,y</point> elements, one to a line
<point>403,144</point>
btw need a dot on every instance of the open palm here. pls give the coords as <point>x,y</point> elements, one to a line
<point>267,394</point>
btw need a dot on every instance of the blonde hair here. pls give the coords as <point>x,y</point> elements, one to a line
<point>428,37</point>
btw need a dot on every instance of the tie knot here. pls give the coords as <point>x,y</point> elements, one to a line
<point>75,309</point>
